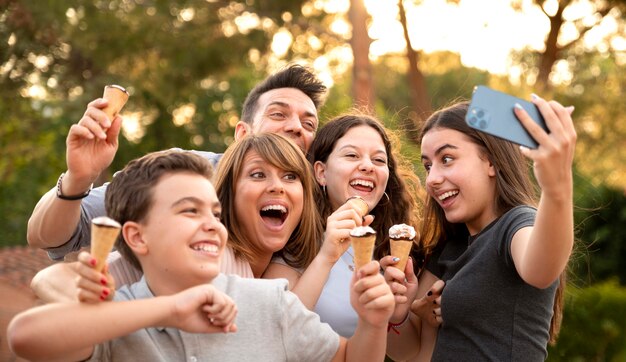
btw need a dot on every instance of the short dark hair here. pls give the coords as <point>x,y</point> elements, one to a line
<point>293,76</point>
<point>129,195</point>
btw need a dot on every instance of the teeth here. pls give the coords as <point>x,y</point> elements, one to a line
<point>445,195</point>
<point>369,184</point>
<point>275,207</point>
<point>209,248</point>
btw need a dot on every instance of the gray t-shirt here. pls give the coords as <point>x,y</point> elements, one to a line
<point>489,313</point>
<point>273,325</point>
<point>93,206</point>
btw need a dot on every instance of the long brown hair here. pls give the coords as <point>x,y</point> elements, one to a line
<point>301,248</point>
<point>404,191</point>
<point>514,187</point>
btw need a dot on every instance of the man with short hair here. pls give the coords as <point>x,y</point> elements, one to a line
<point>285,103</point>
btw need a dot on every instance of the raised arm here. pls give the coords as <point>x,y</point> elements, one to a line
<point>373,301</point>
<point>91,146</point>
<point>540,253</point>
<point>71,330</point>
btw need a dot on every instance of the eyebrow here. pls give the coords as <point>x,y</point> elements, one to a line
<point>440,150</point>
<point>194,200</point>
<point>382,150</point>
<point>287,105</point>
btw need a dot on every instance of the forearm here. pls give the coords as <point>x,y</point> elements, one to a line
<point>404,341</point>
<point>55,283</point>
<point>551,240</point>
<point>367,343</point>
<point>309,286</point>
<point>53,221</point>
<point>58,330</point>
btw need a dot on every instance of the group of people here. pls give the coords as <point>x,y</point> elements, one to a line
<point>247,253</point>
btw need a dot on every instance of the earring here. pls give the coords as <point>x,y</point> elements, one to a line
<point>388,199</point>
<point>324,190</point>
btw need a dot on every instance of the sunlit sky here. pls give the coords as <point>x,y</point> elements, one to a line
<point>483,32</point>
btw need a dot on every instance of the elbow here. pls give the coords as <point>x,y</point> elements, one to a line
<point>33,236</point>
<point>20,340</point>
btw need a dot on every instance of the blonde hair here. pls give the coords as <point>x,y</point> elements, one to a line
<point>301,247</point>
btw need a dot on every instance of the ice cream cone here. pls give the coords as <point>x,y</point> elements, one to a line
<point>400,248</point>
<point>117,97</point>
<point>359,205</point>
<point>401,238</point>
<point>363,240</point>
<point>104,232</point>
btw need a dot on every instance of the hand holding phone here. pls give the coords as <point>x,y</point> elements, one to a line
<point>491,112</point>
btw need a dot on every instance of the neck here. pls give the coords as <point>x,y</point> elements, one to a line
<point>259,265</point>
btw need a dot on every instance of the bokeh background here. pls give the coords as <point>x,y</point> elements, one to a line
<point>189,65</point>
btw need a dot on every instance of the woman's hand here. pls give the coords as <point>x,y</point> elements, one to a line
<point>93,287</point>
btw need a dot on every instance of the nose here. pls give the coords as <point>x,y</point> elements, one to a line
<point>293,126</point>
<point>276,186</point>
<point>366,165</point>
<point>434,177</point>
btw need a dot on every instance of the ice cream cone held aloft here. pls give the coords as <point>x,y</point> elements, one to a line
<point>401,238</point>
<point>363,240</point>
<point>117,97</point>
<point>359,205</point>
<point>104,232</point>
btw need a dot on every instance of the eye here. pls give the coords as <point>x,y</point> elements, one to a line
<point>291,176</point>
<point>427,166</point>
<point>190,210</point>
<point>446,159</point>
<point>277,115</point>
<point>218,215</point>
<point>352,155</point>
<point>310,125</point>
<point>257,175</point>
<point>380,160</point>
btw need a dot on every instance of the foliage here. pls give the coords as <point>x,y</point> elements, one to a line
<point>594,325</point>
<point>599,217</point>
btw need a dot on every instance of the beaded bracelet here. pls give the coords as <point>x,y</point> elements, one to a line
<point>70,197</point>
<point>394,326</point>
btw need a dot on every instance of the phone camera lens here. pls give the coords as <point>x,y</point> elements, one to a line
<point>482,124</point>
<point>480,114</point>
<point>473,120</point>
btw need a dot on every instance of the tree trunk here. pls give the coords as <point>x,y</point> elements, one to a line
<point>551,53</point>
<point>417,83</point>
<point>362,80</point>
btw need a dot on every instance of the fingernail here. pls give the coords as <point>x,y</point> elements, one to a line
<point>105,292</point>
<point>395,259</point>
<point>103,281</point>
<point>93,261</point>
<point>534,96</point>
<point>518,106</point>
<point>429,293</point>
<point>102,297</point>
<point>570,109</point>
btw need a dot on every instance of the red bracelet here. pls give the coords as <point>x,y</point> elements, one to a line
<point>394,326</point>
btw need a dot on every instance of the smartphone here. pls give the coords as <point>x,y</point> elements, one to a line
<point>491,112</point>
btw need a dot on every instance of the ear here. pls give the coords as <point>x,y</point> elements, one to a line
<point>319,170</point>
<point>133,235</point>
<point>241,130</point>
<point>491,171</point>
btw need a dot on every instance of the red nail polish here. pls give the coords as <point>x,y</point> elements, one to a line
<point>102,297</point>
<point>93,262</point>
<point>103,281</point>
<point>105,292</point>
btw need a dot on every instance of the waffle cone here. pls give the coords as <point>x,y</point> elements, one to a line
<point>102,239</point>
<point>363,249</point>
<point>359,205</point>
<point>117,97</point>
<point>400,248</point>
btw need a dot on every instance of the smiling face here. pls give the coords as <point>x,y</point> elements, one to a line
<point>286,111</point>
<point>182,233</point>
<point>357,166</point>
<point>269,201</point>
<point>460,178</point>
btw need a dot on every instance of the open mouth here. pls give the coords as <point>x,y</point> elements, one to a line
<point>447,195</point>
<point>362,185</point>
<point>274,215</point>
<point>206,248</point>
